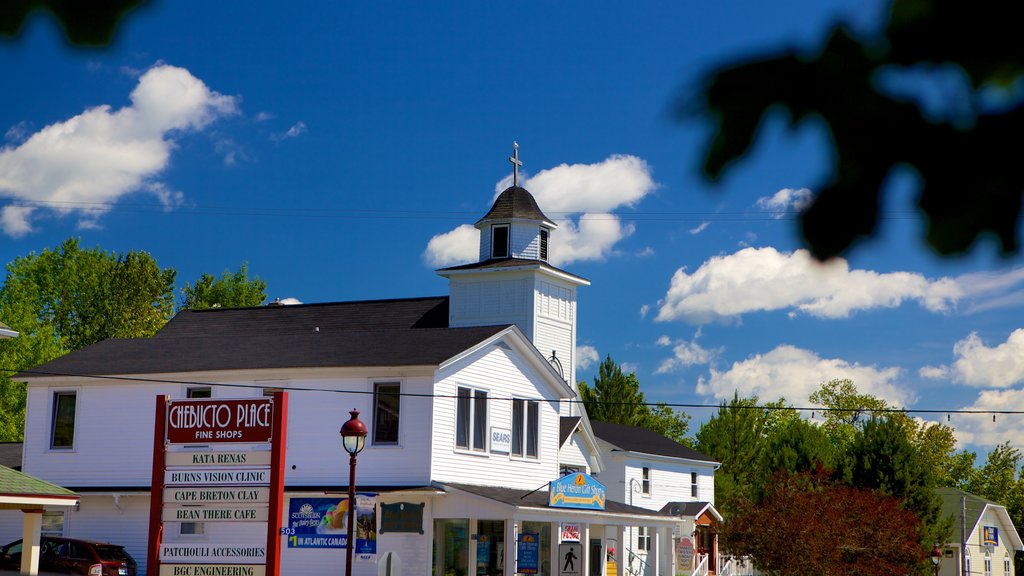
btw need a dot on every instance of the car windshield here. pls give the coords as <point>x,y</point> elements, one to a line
<point>112,553</point>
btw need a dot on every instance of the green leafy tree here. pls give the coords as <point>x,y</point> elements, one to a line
<point>737,437</point>
<point>845,409</point>
<point>66,298</point>
<point>847,88</point>
<point>616,397</point>
<point>231,290</point>
<point>881,457</point>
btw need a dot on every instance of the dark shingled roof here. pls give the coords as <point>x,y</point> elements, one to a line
<point>515,202</point>
<point>539,499</point>
<point>637,439</point>
<point>566,426</point>
<point>683,508</point>
<point>409,332</point>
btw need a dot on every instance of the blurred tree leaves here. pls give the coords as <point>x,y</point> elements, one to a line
<point>969,182</point>
<point>84,22</point>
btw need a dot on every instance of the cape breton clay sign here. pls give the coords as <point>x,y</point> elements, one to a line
<point>205,421</point>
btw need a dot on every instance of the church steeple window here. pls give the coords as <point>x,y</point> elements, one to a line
<point>544,245</point>
<point>499,242</point>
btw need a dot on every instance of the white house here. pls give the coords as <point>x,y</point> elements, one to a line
<point>985,527</point>
<point>436,379</point>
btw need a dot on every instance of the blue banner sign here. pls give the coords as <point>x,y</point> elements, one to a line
<point>990,536</point>
<point>528,553</point>
<point>323,523</point>
<point>577,490</point>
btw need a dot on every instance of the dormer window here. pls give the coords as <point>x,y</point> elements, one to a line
<point>544,245</point>
<point>499,242</point>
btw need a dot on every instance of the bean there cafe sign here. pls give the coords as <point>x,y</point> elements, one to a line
<point>218,460</point>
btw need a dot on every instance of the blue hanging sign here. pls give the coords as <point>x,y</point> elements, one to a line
<point>990,536</point>
<point>528,553</point>
<point>577,490</point>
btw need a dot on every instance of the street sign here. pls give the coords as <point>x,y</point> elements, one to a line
<point>570,559</point>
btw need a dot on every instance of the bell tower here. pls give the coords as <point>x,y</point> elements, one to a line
<point>514,282</point>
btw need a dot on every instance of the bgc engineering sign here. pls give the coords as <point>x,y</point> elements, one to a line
<point>203,421</point>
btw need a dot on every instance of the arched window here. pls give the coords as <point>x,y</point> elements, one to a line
<point>988,564</point>
<point>967,560</point>
<point>1006,564</point>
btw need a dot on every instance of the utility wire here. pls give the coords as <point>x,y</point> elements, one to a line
<point>764,407</point>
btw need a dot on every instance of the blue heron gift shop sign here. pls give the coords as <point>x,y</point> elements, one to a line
<point>577,490</point>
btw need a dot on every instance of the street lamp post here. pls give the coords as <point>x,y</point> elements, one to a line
<point>936,558</point>
<point>353,438</point>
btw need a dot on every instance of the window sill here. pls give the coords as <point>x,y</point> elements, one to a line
<point>470,452</point>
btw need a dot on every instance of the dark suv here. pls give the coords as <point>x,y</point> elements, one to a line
<point>73,556</point>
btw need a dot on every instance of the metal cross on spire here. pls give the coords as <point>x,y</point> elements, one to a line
<point>514,159</point>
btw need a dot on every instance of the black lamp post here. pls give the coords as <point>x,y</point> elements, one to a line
<point>936,558</point>
<point>353,437</point>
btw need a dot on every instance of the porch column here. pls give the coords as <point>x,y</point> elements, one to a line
<point>654,558</point>
<point>584,550</point>
<point>474,533</point>
<point>620,550</point>
<point>510,547</point>
<point>32,524</point>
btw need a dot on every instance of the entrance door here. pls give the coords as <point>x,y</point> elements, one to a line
<point>596,559</point>
<point>706,545</point>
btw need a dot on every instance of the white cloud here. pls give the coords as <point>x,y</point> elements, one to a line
<point>629,367</point>
<point>785,201</point>
<point>455,247</point>
<point>933,372</point>
<point>647,252</point>
<point>794,374</point>
<point>644,310</point>
<point>100,155</point>
<point>17,132</point>
<point>1000,366</point>
<point>981,430</point>
<point>762,279</point>
<point>14,220</point>
<point>295,130</point>
<point>586,356</point>
<point>686,353</point>
<point>700,228</point>
<point>663,341</point>
<point>580,198</point>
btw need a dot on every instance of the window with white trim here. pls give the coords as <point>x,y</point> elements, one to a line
<point>1006,564</point>
<point>693,484</point>
<point>988,565</point>
<point>62,427</point>
<point>499,241</point>
<point>645,480</point>
<point>643,538</point>
<point>525,427</point>
<point>967,560</point>
<point>387,400</point>
<point>471,419</point>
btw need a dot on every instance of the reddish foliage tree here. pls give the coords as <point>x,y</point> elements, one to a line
<point>808,524</point>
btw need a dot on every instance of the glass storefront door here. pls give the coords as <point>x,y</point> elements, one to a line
<point>490,547</point>
<point>451,547</point>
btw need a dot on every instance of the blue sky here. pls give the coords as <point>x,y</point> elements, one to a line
<point>340,149</point>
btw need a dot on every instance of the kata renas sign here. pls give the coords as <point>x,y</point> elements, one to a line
<point>206,421</point>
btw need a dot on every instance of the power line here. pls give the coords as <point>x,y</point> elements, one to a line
<point>764,407</point>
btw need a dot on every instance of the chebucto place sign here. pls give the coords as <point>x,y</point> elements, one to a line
<point>206,421</point>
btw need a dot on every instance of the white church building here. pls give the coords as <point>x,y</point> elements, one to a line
<point>470,401</point>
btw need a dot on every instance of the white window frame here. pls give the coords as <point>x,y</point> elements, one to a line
<point>643,538</point>
<point>529,433</point>
<point>191,390</point>
<point>694,478</point>
<point>508,240</point>
<point>645,480</point>
<point>1007,565</point>
<point>373,433</point>
<point>477,397</point>
<point>55,393</point>
<point>988,564</point>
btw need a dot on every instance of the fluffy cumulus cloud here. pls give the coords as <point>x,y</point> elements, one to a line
<point>999,366</point>
<point>580,198</point>
<point>586,356</point>
<point>785,201</point>
<point>980,430</point>
<point>84,164</point>
<point>761,279</point>
<point>685,353</point>
<point>794,374</point>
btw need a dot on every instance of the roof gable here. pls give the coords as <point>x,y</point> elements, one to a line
<point>642,440</point>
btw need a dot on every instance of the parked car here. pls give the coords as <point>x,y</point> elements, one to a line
<point>59,555</point>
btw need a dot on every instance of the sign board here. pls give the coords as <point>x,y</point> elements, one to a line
<point>213,553</point>
<point>570,532</point>
<point>221,477</point>
<point>401,517</point>
<point>210,495</point>
<point>323,523</point>
<point>684,555</point>
<point>201,421</point>
<point>212,570</point>
<point>501,440</point>
<point>570,559</point>
<point>577,490</point>
<point>243,458</point>
<point>206,513</point>
<point>528,553</point>
<point>990,536</point>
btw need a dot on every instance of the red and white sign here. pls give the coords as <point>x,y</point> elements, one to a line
<point>570,533</point>
<point>204,421</point>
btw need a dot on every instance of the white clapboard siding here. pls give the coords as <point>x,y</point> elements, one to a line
<point>504,375</point>
<point>492,302</point>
